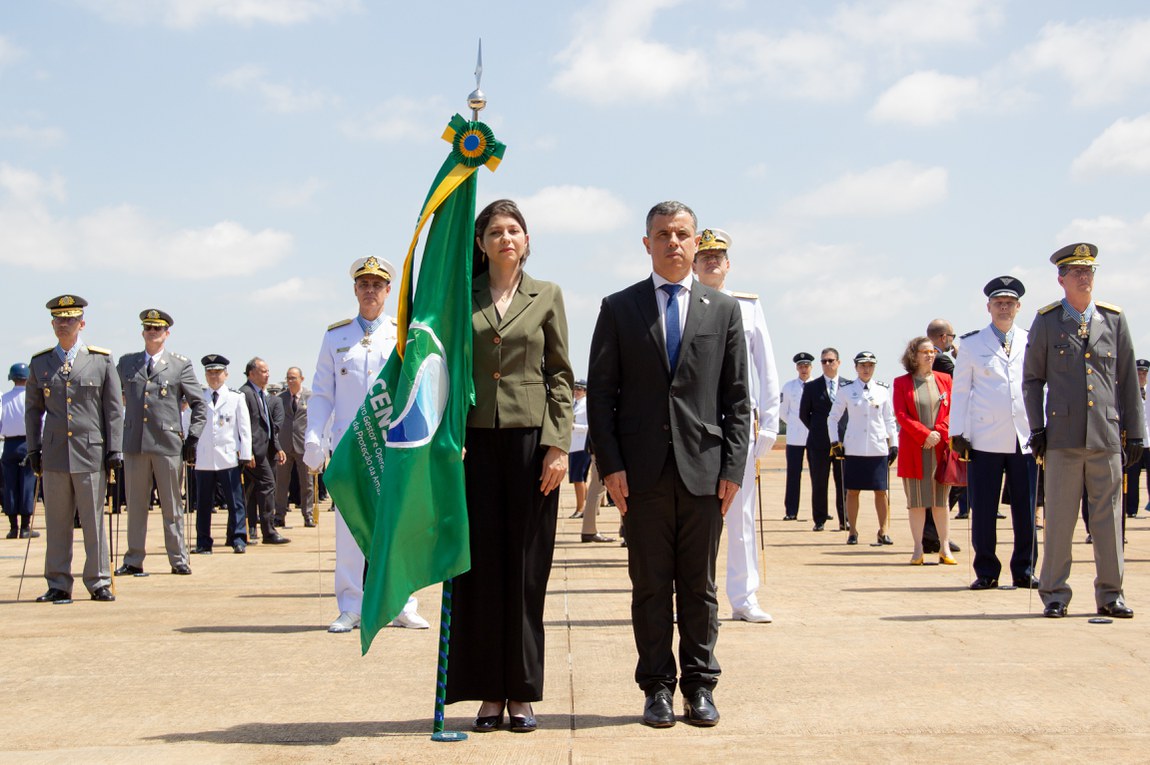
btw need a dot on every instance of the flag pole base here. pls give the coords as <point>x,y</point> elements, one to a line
<point>448,735</point>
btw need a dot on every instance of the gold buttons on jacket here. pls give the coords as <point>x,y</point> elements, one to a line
<point>1089,387</point>
<point>495,375</point>
<point>145,419</point>
<point>69,417</point>
<point>68,400</point>
<point>1089,403</point>
<point>1087,354</point>
<point>145,406</point>
<point>69,433</point>
<point>1089,371</point>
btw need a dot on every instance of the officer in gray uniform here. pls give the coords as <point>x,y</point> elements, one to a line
<point>75,426</point>
<point>1086,420</point>
<point>155,380</point>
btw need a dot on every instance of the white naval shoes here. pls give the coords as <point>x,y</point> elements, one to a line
<point>346,622</point>
<point>751,614</point>
<point>412,621</point>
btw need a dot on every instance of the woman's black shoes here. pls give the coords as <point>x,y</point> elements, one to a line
<point>488,723</point>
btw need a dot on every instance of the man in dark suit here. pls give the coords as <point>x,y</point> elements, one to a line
<point>259,474</point>
<point>669,412</point>
<point>814,407</point>
<point>294,399</point>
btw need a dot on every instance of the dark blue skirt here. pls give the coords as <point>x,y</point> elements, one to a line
<point>578,466</point>
<point>865,473</point>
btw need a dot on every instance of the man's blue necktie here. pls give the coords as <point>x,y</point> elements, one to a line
<point>674,335</point>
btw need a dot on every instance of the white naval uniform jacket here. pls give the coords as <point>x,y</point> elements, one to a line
<point>871,426</point>
<point>764,379</point>
<point>986,404</point>
<point>344,371</point>
<point>789,413</point>
<point>226,439</point>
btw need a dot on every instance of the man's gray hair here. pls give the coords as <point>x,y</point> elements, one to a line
<point>670,208</point>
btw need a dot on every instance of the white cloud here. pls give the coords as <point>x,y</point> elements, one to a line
<point>44,136</point>
<point>921,22</point>
<point>809,66</point>
<point>299,195</point>
<point>288,292</point>
<point>398,119</point>
<point>1124,147</point>
<point>1109,232</point>
<point>574,210</point>
<point>894,189</point>
<point>185,14</point>
<point>276,96</point>
<point>610,60</point>
<point>927,98</point>
<point>122,238</point>
<point>9,52</point>
<point>1102,61</point>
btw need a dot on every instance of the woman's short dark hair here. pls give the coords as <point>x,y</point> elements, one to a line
<point>498,207</point>
<point>910,355</point>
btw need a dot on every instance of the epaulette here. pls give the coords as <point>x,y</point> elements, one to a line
<point>41,353</point>
<point>845,383</point>
<point>969,334</point>
<point>97,349</point>
<point>1108,306</point>
<point>1048,308</point>
<point>745,295</point>
<point>887,385</point>
<point>178,356</point>
<point>338,324</point>
<point>393,321</point>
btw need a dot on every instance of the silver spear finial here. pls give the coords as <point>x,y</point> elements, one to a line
<point>477,100</point>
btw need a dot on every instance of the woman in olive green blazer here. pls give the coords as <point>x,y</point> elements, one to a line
<point>518,435</point>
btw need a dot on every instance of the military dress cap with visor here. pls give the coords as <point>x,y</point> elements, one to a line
<point>214,361</point>
<point>1081,254</point>
<point>66,306</point>
<point>372,266</point>
<point>803,358</point>
<point>581,384</point>
<point>1004,286</point>
<point>1142,364</point>
<point>18,371</point>
<point>154,317</point>
<point>865,357</point>
<point>714,240</point>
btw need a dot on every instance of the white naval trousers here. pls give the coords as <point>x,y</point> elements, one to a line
<point>742,555</point>
<point>349,563</point>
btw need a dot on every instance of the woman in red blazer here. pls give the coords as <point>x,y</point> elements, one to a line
<point>922,409</point>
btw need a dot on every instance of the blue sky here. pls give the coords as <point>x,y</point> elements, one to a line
<point>876,163</point>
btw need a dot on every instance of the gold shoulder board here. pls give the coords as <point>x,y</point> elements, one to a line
<point>1048,308</point>
<point>98,350</point>
<point>744,295</point>
<point>393,321</point>
<point>1108,306</point>
<point>338,324</point>
<point>41,353</point>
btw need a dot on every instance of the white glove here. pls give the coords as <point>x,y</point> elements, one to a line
<point>764,443</point>
<point>313,456</point>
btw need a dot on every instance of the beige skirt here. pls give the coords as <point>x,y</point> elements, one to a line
<point>925,491</point>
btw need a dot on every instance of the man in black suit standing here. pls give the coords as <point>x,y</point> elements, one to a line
<point>814,408</point>
<point>259,474</point>
<point>669,413</point>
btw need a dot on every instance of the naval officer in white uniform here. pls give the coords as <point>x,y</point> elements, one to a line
<point>796,433</point>
<point>711,266</point>
<point>351,355</point>
<point>869,445</point>
<point>988,425</point>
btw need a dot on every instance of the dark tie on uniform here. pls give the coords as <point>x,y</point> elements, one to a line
<point>215,397</point>
<point>149,366</point>
<point>831,389</point>
<point>294,402</point>
<point>671,326</point>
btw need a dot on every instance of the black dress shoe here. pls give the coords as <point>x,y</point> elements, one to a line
<point>962,516</point>
<point>103,594</point>
<point>1054,610</point>
<point>182,569</point>
<point>954,547</point>
<point>595,538</point>
<point>984,583</point>
<point>1026,582</point>
<point>819,527</point>
<point>201,551</point>
<point>844,526</point>
<point>1117,609</point>
<point>999,516</point>
<point>790,517</point>
<point>885,539</point>
<point>126,570</point>
<point>239,548</point>
<point>853,539</point>
<point>487,723</point>
<point>13,533</point>
<point>523,723</point>
<point>275,539</point>
<point>55,596</point>
<point>309,523</point>
<point>699,708</point>
<point>29,534</point>
<point>657,710</point>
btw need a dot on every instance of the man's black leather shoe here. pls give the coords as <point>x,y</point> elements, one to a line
<point>55,596</point>
<point>275,539</point>
<point>126,570</point>
<point>984,583</point>
<point>818,527</point>
<point>657,711</point>
<point>1117,609</point>
<point>103,594</point>
<point>1026,582</point>
<point>699,708</point>
<point>201,551</point>
<point>182,569</point>
<point>1054,610</point>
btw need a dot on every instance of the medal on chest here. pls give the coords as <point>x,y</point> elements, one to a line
<point>366,341</point>
<point>1083,330</point>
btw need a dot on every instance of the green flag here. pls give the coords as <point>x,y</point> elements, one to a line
<point>397,473</point>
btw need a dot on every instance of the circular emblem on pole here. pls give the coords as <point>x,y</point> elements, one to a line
<point>473,145</point>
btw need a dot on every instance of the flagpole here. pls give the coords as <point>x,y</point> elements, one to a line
<point>476,101</point>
